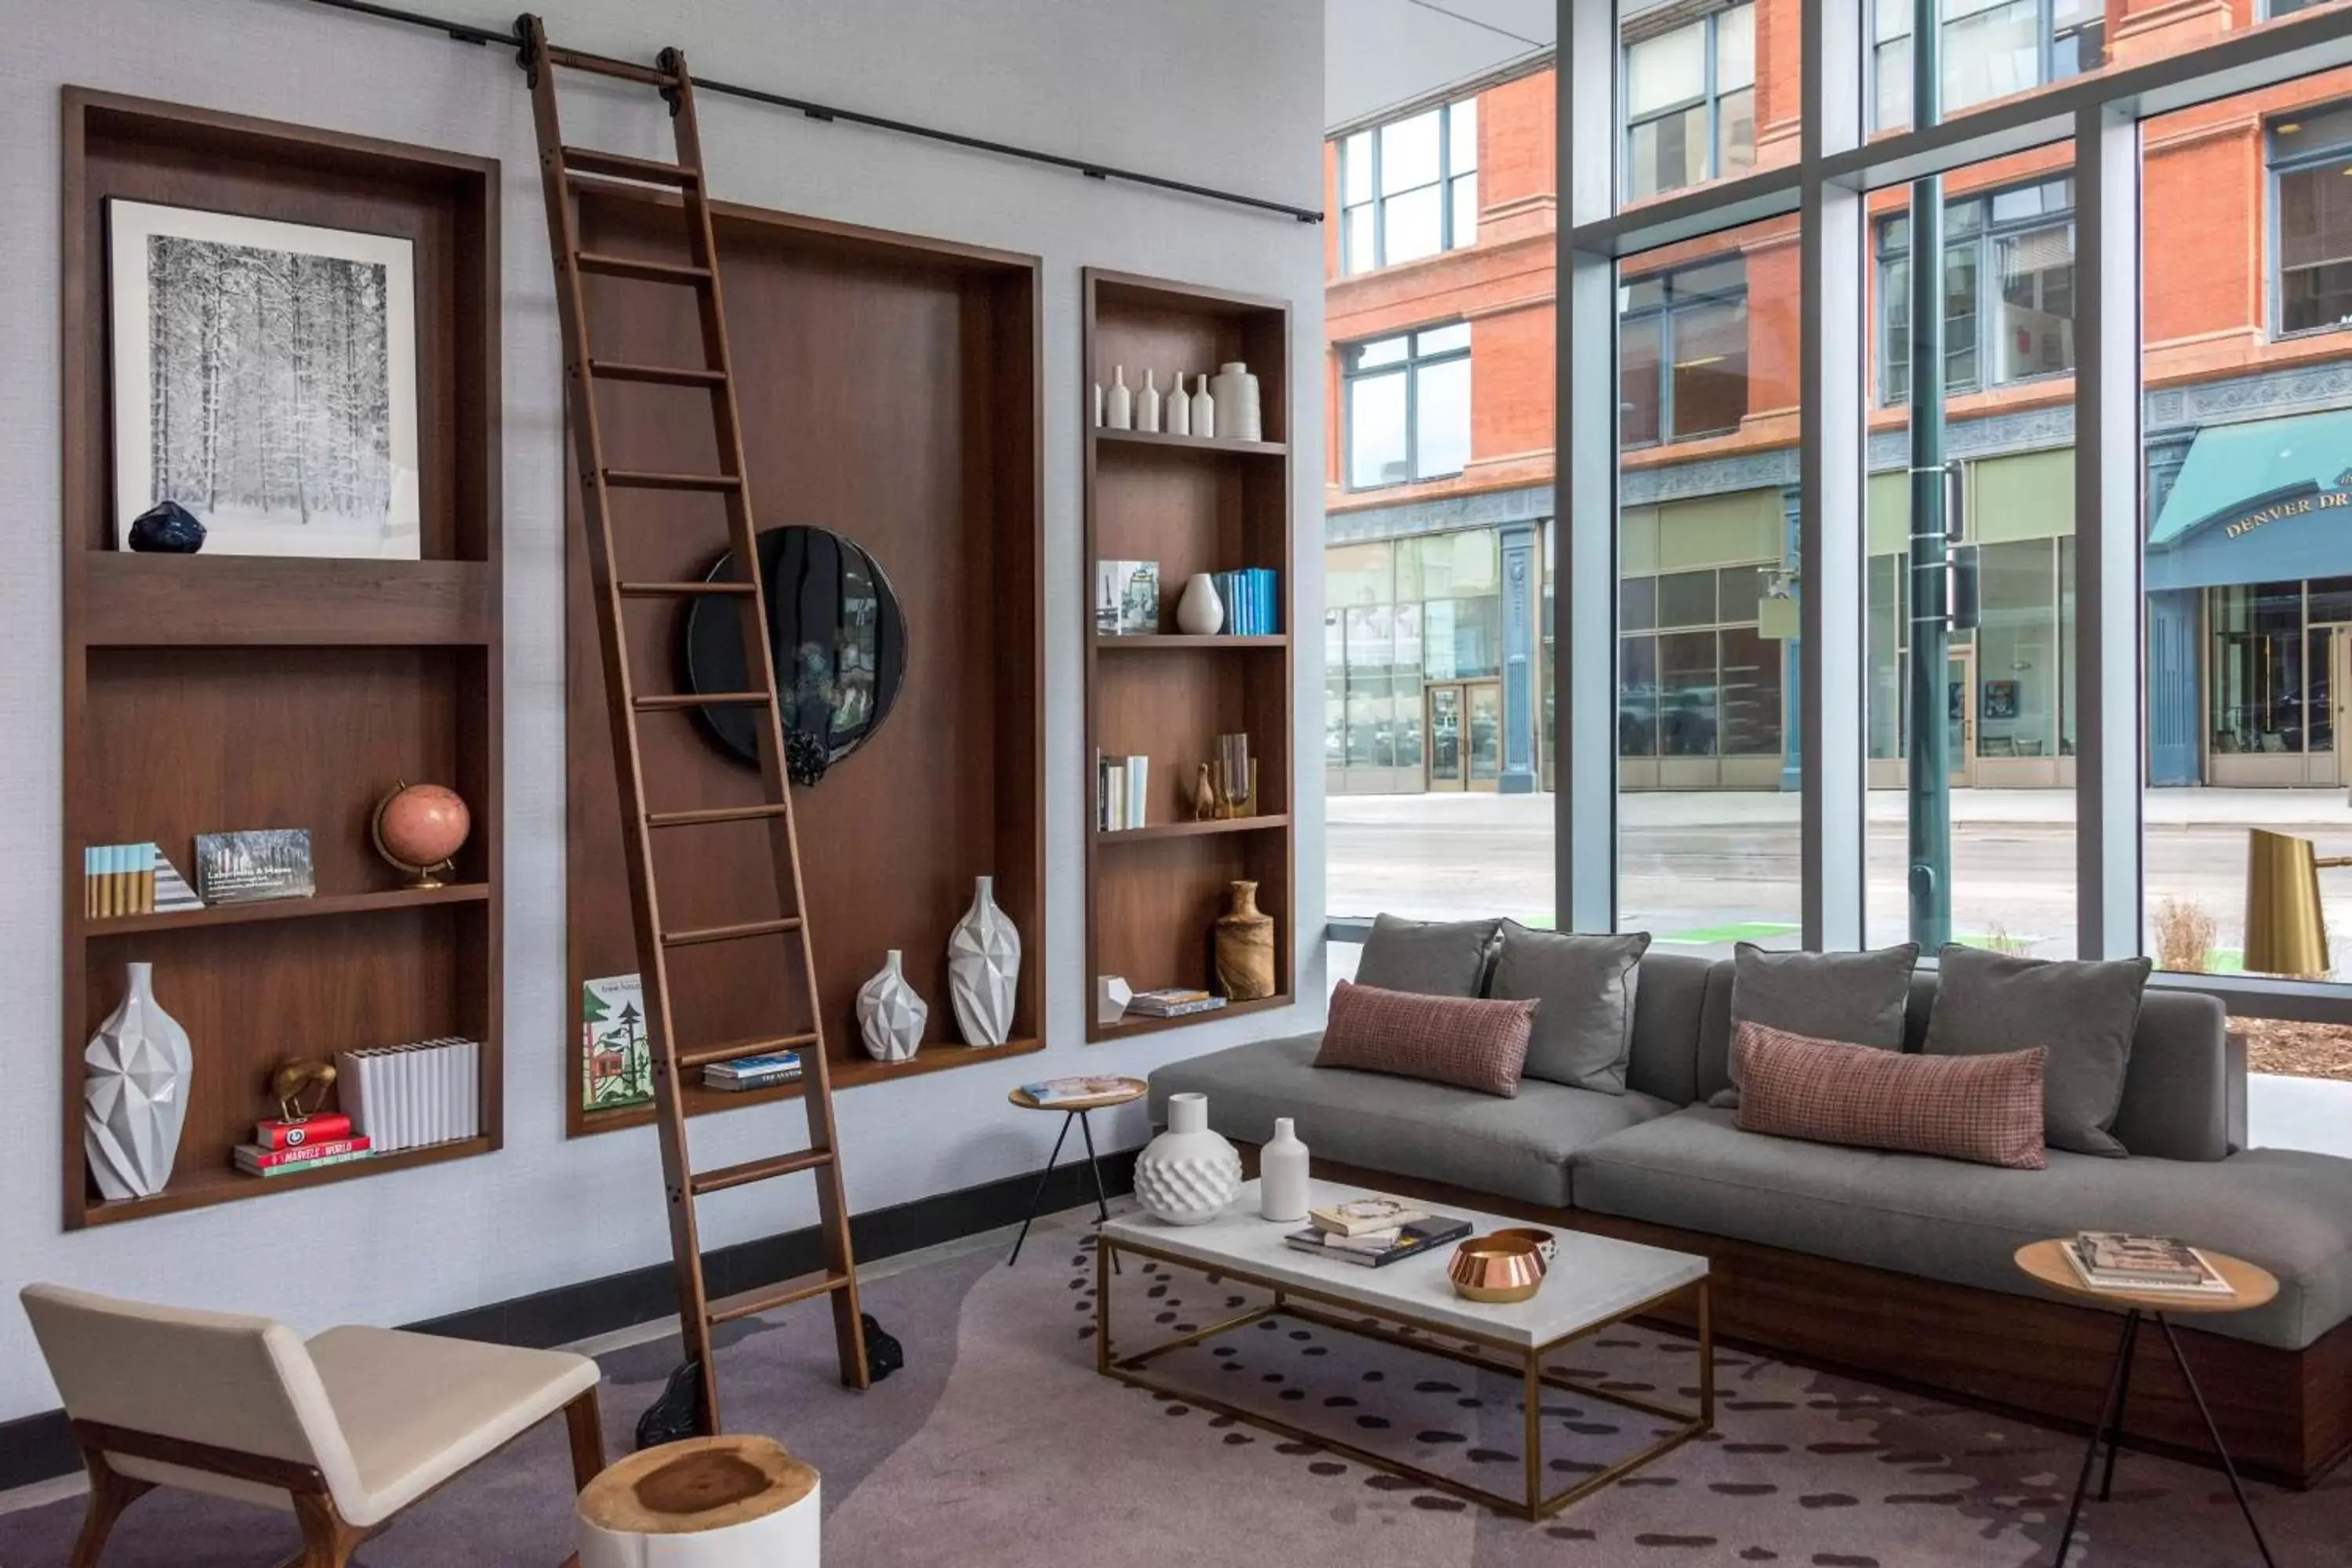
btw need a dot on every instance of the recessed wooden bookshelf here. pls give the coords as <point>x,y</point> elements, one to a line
<point>888,391</point>
<point>207,693</point>
<point>1192,504</point>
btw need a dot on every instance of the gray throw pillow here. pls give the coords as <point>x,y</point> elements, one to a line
<point>1430,958</point>
<point>1854,999</point>
<point>1584,1028</point>
<point>2085,1012</point>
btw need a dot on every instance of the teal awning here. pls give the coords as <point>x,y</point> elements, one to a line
<point>2236,471</point>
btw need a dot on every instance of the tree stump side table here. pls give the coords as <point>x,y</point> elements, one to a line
<point>704,1502</point>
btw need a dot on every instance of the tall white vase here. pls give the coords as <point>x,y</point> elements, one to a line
<point>1147,403</point>
<point>1180,409</point>
<point>983,968</point>
<point>1237,409</point>
<point>1282,1176</point>
<point>1200,612</point>
<point>135,1098</point>
<point>1119,407</point>
<point>890,1016</point>
<point>1187,1175</point>
<point>1205,411</point>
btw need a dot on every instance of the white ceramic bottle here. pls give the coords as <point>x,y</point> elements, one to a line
<point>1119,413</point>
<point>1098,404</point>
<point>1205,411</point>
<point>1180,409</point>
<point>1282,1176</point>
<point>1200,613</point>
<point>1147,403</point>
<point>1237,402</point>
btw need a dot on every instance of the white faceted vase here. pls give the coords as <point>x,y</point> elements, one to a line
<point>890,1016</point>
<point>983,968</point>
<point>135,1097</point>
<point>1188,1175</point>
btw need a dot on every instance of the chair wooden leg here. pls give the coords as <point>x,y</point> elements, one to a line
<point>328,1541</point>
<point>586,1427</point>
<point>110,1494</point>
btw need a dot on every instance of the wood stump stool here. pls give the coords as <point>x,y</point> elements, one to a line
<point>705,1502</point>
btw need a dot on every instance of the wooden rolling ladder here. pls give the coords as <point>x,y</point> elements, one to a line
<point>566,171</point>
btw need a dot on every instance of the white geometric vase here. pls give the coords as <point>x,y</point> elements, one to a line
<point>135,1098</point>
<point>890,1016</point>
<point>983,968</point>
<point>1188,1175</point>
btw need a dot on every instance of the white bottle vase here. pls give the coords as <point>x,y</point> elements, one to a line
<point>983,969</point>
<point>1147,403</point>
<point>1282,1176</point>
<point>135,1098</point>
<point>890,1016</point>
<point>1236,393</point>
<point>1200,612</point>
<point>1097,403</point>
<point>1187,1175</point>
<point>1119,404</point>
<point>1180,409</point>
<point>1205,411</point>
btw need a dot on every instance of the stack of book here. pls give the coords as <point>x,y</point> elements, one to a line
<point>1253,603</point>
<point>1122,785</point>
<point>132,880</point>
<point>283,1148</point>
<point>2117,1260</point>
<point>406,1097</point>
<point>1374,1232</point>
<point>1172,1002</point>
<point>1059,1091</point>
<point>752,1072</point>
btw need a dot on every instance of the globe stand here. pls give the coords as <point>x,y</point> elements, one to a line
<point>422,876</point>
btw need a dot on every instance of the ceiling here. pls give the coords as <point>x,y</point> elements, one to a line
<point>1377,54</point>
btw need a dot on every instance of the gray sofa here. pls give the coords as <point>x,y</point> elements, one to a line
<point>1656,1161</point>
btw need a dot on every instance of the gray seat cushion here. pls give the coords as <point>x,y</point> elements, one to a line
<point>1515,1148</point>
<point>1914,1214</point>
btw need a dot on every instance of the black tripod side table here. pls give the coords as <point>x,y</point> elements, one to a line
<point>1117,1091</point>
<point>2250,1287</point>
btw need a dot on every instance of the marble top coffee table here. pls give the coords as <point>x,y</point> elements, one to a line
<point>1594,1281</point>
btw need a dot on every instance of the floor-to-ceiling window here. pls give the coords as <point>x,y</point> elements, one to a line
<point>1409,189</point>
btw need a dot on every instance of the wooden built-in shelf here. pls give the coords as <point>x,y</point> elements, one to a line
<point>130,600</point>
<point>259,909</point>
<point>1190,504</point>
<point>210,1185</point>
<point>1198,443</point>
<point>848,1072</point>
<point>1264,822</point>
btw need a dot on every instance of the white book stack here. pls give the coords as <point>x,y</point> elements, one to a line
<point>407,1097</point>
<point>1122,786</point>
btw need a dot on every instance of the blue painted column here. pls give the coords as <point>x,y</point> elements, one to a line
<point>1793,663</point>
<point>1519,643</point>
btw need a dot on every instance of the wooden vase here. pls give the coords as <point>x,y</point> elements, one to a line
<point>1246,947</point>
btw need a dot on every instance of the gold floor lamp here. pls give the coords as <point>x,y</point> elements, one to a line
<point>2287,931</point>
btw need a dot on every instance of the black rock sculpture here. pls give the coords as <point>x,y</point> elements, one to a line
<point>167,528</point>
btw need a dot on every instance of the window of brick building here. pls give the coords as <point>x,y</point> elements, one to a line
<point>2009,290</point>
<point>1683,352</point>
<point>1408,406</point>
<point>1410,188</point>
<point>2311,164</point>
<point>1992,48</point>
<point>1690,97</point>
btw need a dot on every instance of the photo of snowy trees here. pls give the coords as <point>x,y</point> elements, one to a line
<point>265,379</point>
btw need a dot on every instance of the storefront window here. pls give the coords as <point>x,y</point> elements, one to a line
<point>1706,692</point>
<point>2257,667</point>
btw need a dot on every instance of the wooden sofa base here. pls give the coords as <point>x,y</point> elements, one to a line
<point>2287,1415</point>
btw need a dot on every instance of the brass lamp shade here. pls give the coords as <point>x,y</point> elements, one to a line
<point>2285,932</point>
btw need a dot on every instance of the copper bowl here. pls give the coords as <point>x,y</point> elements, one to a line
<point>1545,1244</point>
<point>1497,1268</point>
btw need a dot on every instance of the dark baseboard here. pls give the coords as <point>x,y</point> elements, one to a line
<point>37,1448</point>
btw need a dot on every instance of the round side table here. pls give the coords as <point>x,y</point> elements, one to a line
<point>703,1502</point>
<point>2250,1285</point>
<point>1126,1092</point>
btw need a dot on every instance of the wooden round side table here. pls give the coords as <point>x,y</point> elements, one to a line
<point>703,1502</point>
<point>2250,1286</point>
<point>1127,1091</point>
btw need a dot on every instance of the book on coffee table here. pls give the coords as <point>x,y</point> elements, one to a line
<point>1357,1215</point>
<point>2119,1260</point>
<point>1378,1248</point>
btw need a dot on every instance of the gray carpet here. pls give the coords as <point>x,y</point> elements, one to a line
<point>999,1445</point>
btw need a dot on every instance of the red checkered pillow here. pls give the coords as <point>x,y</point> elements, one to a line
<point>1459,1040</point>
<point>1987,1109</point>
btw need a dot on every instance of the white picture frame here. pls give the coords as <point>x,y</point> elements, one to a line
<point>304,339</point>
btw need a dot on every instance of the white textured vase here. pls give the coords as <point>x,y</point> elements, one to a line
<point>1188,1175</point>
<point>1147,403</point>
<point>1205,411</point>
<point>1282,1176</point>
<point>135,1098</point>
<point>1180,409</point>
<point>1118,405</point>
<point>983,968</point>
<point>890,1016</point>
<point>1200,612</point>
<point>1236,393</point>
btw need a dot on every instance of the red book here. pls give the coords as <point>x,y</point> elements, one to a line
<point>298,1134</point>
<point>252,1157</point>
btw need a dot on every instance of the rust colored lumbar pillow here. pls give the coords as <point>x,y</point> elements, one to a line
<point>1986,1109</point>
<point>1459,1040</point>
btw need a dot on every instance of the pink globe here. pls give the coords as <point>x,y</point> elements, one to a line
<point>422,825</point>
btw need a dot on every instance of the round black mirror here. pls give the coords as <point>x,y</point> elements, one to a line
<point>837,635</point>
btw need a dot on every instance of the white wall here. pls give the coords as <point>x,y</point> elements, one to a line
<point>1220,92</point>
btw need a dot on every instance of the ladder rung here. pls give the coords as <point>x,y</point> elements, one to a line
<point>599,65</point>
<point>612,265</point>
<point>660,374</point>
<point>750,1171</point>
<point>698,936</point>
<point>736,1050</point>
<point>767,1298</point>
<point>649,479</point>
<point>671,702</point>
<point>709,814</point>
<point>684,590</point>
<point>589,161</point>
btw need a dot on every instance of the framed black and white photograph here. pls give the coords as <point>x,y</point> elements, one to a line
<point>265,378</point>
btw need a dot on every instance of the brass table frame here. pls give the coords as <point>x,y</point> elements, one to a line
<point>1366,1321</point>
